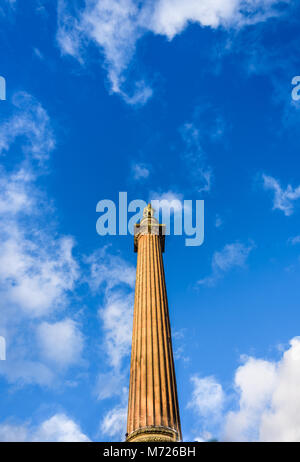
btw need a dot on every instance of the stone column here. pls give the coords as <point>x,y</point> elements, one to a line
<point>153,413</point>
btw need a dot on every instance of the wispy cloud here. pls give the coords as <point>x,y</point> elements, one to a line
<point>114,423</point>
<point>207,397</point>
<point>109,385</point>
<point>231,256</point>
<point>195,158</point>
<point>37,267</point>
<point>116,316</point>
<point>283,199</point>
<point>30,123</point>
<point>294,240</point>
<point>168,199</point>
<point>115,26</point>
<point>140,171</point>
<point>206,128</point>
<point>58,428</point>
<point>109,271</point>
<point>116,278</point>
<point>275,64</point>
<point>7,6</point>
<point>36,272</point>
<point>218,222</point>
<point>61,342</point>
<point>36,275</point>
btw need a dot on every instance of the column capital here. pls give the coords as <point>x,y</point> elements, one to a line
<point>149,225</point>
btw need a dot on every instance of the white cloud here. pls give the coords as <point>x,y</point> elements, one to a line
<point>35,274</point>
<point>179,338</point>
<point>263,406</point>
<point>269,404</point>
<point>167,199</point>
<point>18,369</point>
<point>254,383</point>
<point>207,402</point>
<point>294,240</point>
<point>61,342</point>
<point>169,204</point>
<point>219,221</point>
<point>16,192</point>
<point>13,433</point>
<point>37,267</point>
<point>38,54</point>
<point>204,437</point>
<point>115,26</point>
<point>117,278</point>
<point>35,271</point>
<point>114,422</point>
<point>31,124</point>
<point>231,256</point>
<point>281,422</point>
<point>140,171</point>
<point>283,198</point>
<point>110,384</point>
<point>194,153</point>
<point>68,32</point>
<point>171,17</point>
<point>206,128</point>
<point>109,271</point>
<point>116,316</point>
<point>207,397</point>
<point>58,428</point>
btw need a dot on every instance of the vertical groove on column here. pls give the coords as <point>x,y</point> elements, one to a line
<point>171,368</point>
<point>142,337</point>
<point>162,351</point>
<point>167,340</point>
<point>149,375</point>
<point>174,388</point>
<point>132,385</point>
<point>157,365</point>
<point>165,343</point>
<point>136,409</point>
<point>138,350</point>
<point>153,337</point>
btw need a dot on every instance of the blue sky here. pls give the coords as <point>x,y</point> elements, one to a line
<point>188,100</point>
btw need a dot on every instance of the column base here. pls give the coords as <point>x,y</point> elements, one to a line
<point>148,434</point>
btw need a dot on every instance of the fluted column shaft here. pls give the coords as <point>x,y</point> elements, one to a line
<point>153,412</point>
